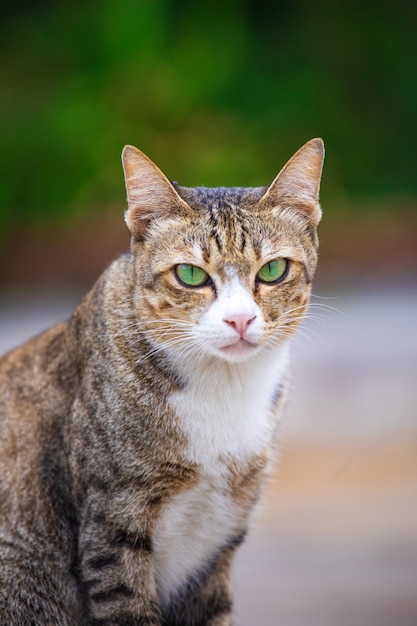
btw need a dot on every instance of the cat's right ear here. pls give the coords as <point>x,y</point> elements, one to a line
<point>150,195</point>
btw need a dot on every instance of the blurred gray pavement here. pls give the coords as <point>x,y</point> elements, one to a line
<point>335,540</point>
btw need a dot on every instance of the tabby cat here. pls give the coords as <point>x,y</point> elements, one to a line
<point>135,437</point>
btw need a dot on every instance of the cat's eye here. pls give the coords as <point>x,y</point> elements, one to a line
<point>191,275</point>
<point>273,271</point>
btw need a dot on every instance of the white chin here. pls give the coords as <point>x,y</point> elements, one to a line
<point>238,351</point>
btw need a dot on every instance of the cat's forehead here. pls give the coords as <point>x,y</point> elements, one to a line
<point>229,227</point>
<point>227,221</point>
<point>225,228</point>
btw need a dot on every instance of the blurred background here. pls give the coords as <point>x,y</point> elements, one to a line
<point>223,93</point>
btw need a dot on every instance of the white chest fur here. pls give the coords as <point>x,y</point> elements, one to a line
<point>225,414</point>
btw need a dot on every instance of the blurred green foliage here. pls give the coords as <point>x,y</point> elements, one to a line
<point>218,92</point>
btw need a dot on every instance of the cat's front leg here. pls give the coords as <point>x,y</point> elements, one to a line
<point>116,572</point>
<point>34,586</point>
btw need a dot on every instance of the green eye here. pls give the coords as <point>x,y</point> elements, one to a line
<point>191,275</point>
<point>273,271</point>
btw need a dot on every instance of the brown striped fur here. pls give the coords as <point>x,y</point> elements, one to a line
<point>93,452</point>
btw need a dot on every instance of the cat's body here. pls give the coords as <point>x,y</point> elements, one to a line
<point>134,438</point>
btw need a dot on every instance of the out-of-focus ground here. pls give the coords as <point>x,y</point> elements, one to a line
<point>335,541</point>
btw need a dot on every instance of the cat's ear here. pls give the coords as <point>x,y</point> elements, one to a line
<point>150,195</point>
<point>298,183</point>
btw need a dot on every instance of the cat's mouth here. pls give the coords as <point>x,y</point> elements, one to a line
<point>240,347</point>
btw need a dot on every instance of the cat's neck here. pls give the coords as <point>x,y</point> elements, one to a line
<point>227,409</point>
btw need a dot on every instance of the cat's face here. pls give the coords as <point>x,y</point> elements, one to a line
<point>222,272</point>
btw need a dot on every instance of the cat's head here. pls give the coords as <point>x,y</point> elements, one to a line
<point>224,272</point>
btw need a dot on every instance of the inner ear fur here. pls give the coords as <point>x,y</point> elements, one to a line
<point>150,194</point>
<point>298,183</point>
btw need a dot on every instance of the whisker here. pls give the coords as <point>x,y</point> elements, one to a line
<point>314,295</point>
<point>327,308</point>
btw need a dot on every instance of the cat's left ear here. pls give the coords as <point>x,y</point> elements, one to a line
<point>150,195</point>
<point>298,183</point>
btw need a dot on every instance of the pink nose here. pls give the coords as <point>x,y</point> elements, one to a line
<point>240,322</point>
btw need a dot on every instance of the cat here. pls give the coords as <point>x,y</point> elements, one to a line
<point>136,436</point>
